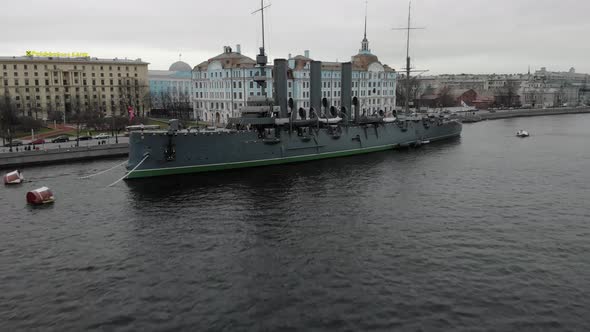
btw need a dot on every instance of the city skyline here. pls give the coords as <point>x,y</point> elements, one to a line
<point>460,37</point>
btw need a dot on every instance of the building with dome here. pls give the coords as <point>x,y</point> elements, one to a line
<point>224,83</point>
<point>172,90</point>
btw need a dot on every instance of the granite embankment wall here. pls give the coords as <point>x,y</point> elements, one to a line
<point>504,114</point>
<point>27,158</point>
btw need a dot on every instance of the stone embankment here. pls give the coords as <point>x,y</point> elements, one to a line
<point>41,157</point>
<point>504,114</point>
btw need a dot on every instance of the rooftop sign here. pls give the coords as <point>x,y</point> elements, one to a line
<point>58,54</point>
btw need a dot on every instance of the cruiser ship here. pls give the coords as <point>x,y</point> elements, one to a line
<point>272,131</point>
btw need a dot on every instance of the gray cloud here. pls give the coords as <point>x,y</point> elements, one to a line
<point>484,36</point>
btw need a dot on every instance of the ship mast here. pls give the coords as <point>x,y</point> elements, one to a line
<point>408,66</point>
<point>261,58</point>
<point>408,60</point>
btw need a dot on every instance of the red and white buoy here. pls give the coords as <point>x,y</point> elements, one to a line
<point>14,177</point>
<point>40,196</point>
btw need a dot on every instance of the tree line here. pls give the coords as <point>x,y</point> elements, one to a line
<point>87,109</point>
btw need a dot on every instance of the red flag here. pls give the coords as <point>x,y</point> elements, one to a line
<point>131,113</point>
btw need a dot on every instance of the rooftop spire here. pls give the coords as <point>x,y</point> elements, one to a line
<point>366,5</point>
<point>365,43</point>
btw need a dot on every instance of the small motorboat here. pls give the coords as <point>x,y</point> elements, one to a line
<point>522,133</point>
<point>14,177</point>
<point>40,196</point>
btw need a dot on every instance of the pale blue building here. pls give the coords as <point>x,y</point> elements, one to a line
<point>223,84</point>
<point>172,86</point>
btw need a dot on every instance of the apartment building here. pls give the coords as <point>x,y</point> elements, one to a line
<point>40,85</point>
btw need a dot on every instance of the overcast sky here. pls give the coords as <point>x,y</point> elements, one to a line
<point>461,36</point>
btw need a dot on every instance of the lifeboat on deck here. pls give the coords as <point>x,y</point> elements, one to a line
<point>14,177</point>
<point>40,196</point>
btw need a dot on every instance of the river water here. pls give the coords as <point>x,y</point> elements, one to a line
<point>486,232</point>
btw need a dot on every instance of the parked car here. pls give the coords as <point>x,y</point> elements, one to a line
<point>60,139</point>
<point>37,141</point>
<point>15,142</point>
<point>84,138</point>
<point>102,136</point>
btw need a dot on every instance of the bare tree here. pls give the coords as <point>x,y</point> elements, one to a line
<point>507,96</point>
<point>146,97</point>
<point>445,98</point>
<point>53,114</point>
<point>20,92</point>
<point>405,87</point>
<point>8,118</point>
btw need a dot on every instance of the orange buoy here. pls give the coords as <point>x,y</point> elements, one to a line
<point>14,177</point>
<point>40,196</point>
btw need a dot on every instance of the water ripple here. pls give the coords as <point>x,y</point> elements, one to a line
<point>487,232</point>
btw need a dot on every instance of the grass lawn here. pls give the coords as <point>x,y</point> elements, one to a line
<point>164,122</point>
<point>43,130</point>
<point>158,122</point>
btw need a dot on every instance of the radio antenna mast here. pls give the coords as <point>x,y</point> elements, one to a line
<point>261,58</point>
<point>408,60</point>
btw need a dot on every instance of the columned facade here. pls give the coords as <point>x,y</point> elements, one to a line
<point>37,86</point>
<point>224,83</point>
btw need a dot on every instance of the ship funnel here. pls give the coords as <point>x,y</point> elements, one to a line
<point>346,89</point>
<point>315,85</point>
<point>280,86</point>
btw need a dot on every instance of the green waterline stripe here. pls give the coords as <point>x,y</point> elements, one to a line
<point>264,162</point>
<point>254,163</point>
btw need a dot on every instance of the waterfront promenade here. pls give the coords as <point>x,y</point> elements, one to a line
<point>515,113</point>
<point>64,152</point>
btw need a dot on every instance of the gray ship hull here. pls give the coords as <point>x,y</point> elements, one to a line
<point>159,153</point>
